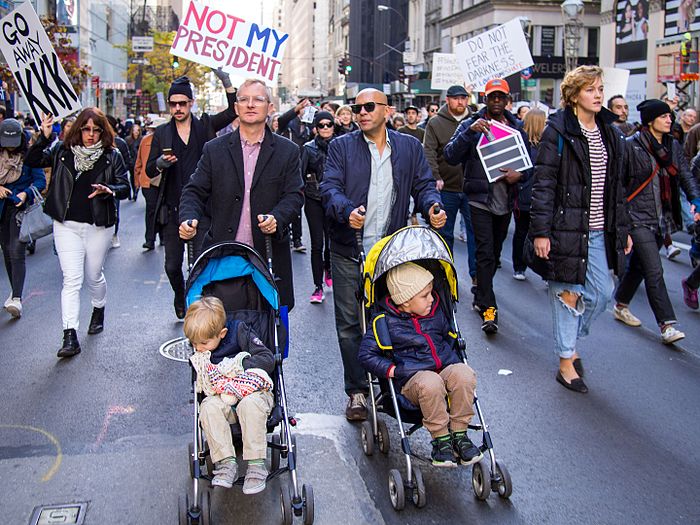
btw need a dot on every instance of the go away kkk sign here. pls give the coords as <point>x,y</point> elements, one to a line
<point>216,39</point>
<point>35,65</point>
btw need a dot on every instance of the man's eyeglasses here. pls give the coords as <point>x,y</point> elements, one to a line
<point>369,107</point>
<point>90,131</point>
<point>326,125</point>
<point>256,101</point>
<point>178,103</point>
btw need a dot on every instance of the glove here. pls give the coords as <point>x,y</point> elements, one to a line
<point>163,164</point>
<point>223,76</point>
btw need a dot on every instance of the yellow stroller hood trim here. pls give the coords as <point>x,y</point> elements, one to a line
<point>411,243</point>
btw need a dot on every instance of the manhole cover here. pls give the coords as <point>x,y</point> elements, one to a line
<point>178,349</point>
<point>66,513</point>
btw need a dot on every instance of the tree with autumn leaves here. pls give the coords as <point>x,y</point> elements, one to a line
<point>77,73</point>
<point>158,71</point>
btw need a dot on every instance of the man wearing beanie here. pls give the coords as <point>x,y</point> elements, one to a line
<point>369,178</point>
<point>423,362</point>
<point>657,169</point>
<point>175,150</point>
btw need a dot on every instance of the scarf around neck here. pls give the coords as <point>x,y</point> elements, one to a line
<point>663,154</point>
<point>87,156</point>
<point>10,167</point>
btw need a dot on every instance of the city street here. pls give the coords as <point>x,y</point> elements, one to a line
<point>110,427</point>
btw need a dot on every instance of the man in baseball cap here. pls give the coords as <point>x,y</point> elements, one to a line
<point>490,201</point>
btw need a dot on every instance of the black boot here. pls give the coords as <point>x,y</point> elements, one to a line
<point>71,346</point>
<point>179,304</point>
<point>97,321</point>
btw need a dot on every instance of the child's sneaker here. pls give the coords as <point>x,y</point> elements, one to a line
<point>467,451</point>
<point>327,279</point>
<point>317,297</point>
<point>225,473</point>
<point>442,454</point>
<point>255,478</point>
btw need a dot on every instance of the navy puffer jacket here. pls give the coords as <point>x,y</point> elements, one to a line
<point>419,343</point>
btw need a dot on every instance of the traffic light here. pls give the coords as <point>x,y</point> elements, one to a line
<point>176,63</point>
<point>402,74</point>
<point>341,66</point>
<point>348,66</point>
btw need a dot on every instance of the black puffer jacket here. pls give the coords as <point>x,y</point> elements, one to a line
<point>561,197</point>
<point>110,170</point>
<point>419,343</point>
<point>641,166</point>
<point>313,159</point>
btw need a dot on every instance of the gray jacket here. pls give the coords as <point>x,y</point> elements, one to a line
<point>438,132</point>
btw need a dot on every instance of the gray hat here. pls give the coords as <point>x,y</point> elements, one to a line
<point>10,133</point>
<point>457,91</point>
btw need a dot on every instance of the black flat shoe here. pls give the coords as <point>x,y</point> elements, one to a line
<point>578,366</point>
<point>577,385</point>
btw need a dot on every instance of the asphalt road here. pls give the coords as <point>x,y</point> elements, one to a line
<point>110,427</point>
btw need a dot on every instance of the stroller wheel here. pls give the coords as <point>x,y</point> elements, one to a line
<point>396,492</point>
<point>367,435</point>
<point>505,486</point>
<point>275,454</point>
<point>286,505</point>
<point>383,437</point>
<point>481,480</point>
<point>418,496</point>
<point>307,497</point>
<point>188,515</point>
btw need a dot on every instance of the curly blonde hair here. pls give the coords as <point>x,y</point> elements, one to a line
<point>576,80</point>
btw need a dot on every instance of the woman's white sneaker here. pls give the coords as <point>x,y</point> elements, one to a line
<point>14,307</point>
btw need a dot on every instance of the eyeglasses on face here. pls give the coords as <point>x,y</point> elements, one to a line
<point>91,131</point>
<point>324,125</point>
<point>255,101</point>
<point>178,103</point>
<point>369,107</point>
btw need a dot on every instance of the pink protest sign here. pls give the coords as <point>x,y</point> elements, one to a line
<point>499,132</point>
<point>506,150</point>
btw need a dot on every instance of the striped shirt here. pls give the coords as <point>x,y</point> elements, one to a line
<point>599,166</point>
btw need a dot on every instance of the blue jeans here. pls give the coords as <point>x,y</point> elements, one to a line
<point>454,202</point>
<point>570,324</point>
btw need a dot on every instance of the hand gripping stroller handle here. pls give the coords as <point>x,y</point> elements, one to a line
<point>268,248</point>
<point>358,235</point>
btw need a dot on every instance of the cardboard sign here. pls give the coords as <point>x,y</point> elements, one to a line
<point>506,149</point>
<point>497,53</point>
<point>615,82</point>
<point>217,38</point>
<point>35,65</point>
<point>446,71</point>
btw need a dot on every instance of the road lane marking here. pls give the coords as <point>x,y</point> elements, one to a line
<point>59,453</point>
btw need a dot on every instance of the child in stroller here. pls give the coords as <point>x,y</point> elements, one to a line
<point>232,365</point>
<point>423,362</point>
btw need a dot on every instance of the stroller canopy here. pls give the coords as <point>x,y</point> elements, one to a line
<point>412,243</point>
<point>226,261</point>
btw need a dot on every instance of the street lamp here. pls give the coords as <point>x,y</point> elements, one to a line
<point>405,81</point>
<point>571,11</point>
<point>382,7</point>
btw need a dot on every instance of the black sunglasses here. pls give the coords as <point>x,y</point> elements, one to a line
<point>174,104</point>
<point>321,125</point>
<point>369,107</point>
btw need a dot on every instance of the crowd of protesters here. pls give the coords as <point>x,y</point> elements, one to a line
<point>603,196</point>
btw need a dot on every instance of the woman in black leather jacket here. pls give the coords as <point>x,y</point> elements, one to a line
<point>87,174</point>
<point>313,160</point>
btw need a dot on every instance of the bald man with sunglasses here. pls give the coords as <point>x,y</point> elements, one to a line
<point>370,176</point>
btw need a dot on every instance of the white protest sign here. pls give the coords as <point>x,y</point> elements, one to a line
<point>505,149</point>
<point>446,71</point>
<point>615,82</point>
<point>670,90</point>
<point>308,115</point>
<point>217,38</point>
<point>497,53</point>
<point>35,65</point>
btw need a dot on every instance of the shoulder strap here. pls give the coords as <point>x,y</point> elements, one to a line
<point>644,184</point>
<point>381,333</point>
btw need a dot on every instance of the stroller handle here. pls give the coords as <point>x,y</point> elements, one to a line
<point>437,209</point>
<point>190,248</point>
<point>268,247</point>
<point>358,234</point>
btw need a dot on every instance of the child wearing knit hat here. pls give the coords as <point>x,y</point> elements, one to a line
<point>423,360</point>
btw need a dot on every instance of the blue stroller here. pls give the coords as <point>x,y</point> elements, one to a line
<point>245,283</point>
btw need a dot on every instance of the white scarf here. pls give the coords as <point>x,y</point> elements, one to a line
<point>86,156</point>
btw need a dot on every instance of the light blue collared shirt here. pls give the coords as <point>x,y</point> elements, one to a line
<point>379,195</point>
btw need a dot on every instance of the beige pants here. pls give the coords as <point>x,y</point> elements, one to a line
<point>252,412</point>
<point>427,389</point>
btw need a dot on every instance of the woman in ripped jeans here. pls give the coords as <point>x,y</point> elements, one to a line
<point>579,220</point>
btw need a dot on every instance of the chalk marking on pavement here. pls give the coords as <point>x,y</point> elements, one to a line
<point>33,293</point>
<point>111,411</point>
<point>54,441</point>
<point>163,279</point>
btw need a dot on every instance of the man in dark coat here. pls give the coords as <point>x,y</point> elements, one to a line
<point>175,150</point>
<point>369,178</point>
<point>490,200</point>
<point>251,179</point>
